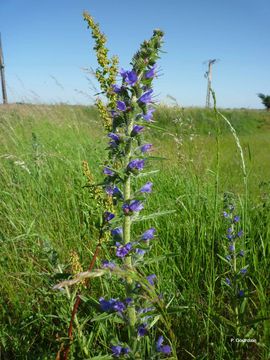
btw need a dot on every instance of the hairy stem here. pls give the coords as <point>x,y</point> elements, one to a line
<point>127,226</point>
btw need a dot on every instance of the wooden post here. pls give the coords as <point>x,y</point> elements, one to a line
<point>209,81</point>
<point>2,74</point>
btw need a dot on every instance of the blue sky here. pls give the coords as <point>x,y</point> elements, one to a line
<point>47,47</point>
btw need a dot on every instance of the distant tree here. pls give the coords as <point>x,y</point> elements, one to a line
<point>265,100</point>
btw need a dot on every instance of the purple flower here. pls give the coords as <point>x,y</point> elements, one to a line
<point>123,72</point>
<point>108,171</point>
<point>123,250</point>
<point>151,278</point>
<point>130,77</point>
<point>228,257</point>
<point>229,236</point>
<point>149,115</point>
<point>231,247</point>
<point>241,293</point>
<point>119,306</point>
<point>142,331</point>
<point>116,350</point>
<point>125,351</point>
<point>114,113</point>
<point>109,190</point>
<point>242,253</point>
<point>165,349</point>
<point>236,219</point>
<point>146,97</point>
<point>147,188</point>
<point>148,234</point>
<point>121,105</point>
<point>240,233</point>
<point>140,251</point>
<point>119,350</point>
<point>117,233</point>
<point>108,216</point>
<point>146,148</point>
<point>228,281</point>
<point>106,305</point>
<point>243,271</point>
<point>225,214</point>
<point>136,164</point>
<point>106,264</point>
<point>115,139</point>
<point>136,130</point>
<point>128,301</point>
<point>151,72</point>
<point>133,206</point>
<point>116,88</point>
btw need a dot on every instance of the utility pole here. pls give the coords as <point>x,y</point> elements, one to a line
<point>208,76</point>
<point>2,74</point>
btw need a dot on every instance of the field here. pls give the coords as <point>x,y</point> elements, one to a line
<point>48,220</point>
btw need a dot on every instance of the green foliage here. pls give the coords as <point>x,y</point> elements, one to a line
<point>44,214</point>
<point>265,100</point>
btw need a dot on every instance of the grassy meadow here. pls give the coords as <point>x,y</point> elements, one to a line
<point>48,218</point>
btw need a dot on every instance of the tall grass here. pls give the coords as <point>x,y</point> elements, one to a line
<point>46,213</point>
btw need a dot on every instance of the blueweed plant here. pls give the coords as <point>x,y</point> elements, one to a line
<point>235,279</point>
<point>127,113</point>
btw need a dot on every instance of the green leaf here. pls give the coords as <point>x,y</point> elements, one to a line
<point>254,321</point>
<point>154,215</point>
<point>101,357</point>
<point>177,309</point>
<point>102,316</point>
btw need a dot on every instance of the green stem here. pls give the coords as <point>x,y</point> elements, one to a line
<point>127,228</point>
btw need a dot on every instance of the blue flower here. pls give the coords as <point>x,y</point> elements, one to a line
<point>140,252</point>
<point>231,247</point>
<point>116,88</point>
<point>119,306</point>
<point>151,72</point>
<point>108,216</point>
<point>240,233</point>
<point>228,281</point>
<point>106,305</point>
<point>146,148</point>
<point>130,77</point>
<point>108,171</point>
<point>142,330</point>
<point>121,105</point>
<point>119,350</point>
<point>115,140</point>
<point>116,350</point>
<point>149,115</point>
<point>241,293</point>
<point>148,234</point>
<point>165,349</point>
<point>133,206</point>
<point>236,219</point>
<point>151,278</point>
<point>146,97</point>
<point>225,214</point>
<point>228,257</point>
<point>136,164</point>
<point>242,253</point>
<point>117,233</point>
<point>136,130</point>
<point>147,188</point>
<point>106,264</point>
<point>123,250</point>
<point>243,271</point>
<point>128,301</point>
